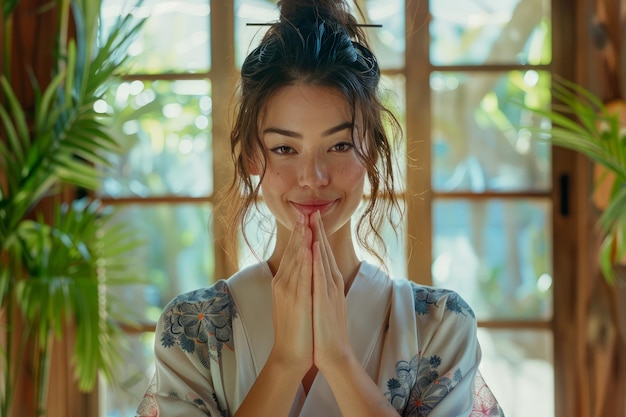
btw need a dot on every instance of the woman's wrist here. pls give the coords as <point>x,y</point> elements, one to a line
<point>341,364</point>
<point>274,390</point>
<point>356,393</point>
<point>287,366</point>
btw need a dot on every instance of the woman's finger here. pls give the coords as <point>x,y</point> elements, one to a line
<point>305,276</point>
<point>330,265</point>
<point>289,262</point>
<point>292,299</point>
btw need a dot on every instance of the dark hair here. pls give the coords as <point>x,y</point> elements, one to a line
<point>315,42</point>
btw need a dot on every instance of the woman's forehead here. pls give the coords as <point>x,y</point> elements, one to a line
<point>298,104</point>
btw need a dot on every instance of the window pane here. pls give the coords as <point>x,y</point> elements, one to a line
<point>177,255</point>
<point>165,129</point>
<point>248,37</point>
<point>477,140</point>
<point>496,254</point>
<point>387,42</point>
<point>474,32</point>
<point>175,37</point>
<point>260,235</point>
<point>134,374</point>
<point>394,251</point>
<point>518,367</point>
<point>393,90</point>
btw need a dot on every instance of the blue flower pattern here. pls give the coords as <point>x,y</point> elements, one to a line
<point>400,387</point>
<point>418,386</point>
<point>430,387</point>
<point>426,298</point>
<point>200,322</point>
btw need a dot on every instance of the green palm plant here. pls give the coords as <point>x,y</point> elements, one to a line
<point>580,121</point>
<point>55,269</point>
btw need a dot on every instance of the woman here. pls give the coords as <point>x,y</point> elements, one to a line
<point>314,331</point>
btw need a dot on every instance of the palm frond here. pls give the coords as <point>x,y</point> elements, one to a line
<point>8,161</point>
<point>66,125</point>
<point>63,263</point>
<point>16,127</point>
<point>45,102</point>
<point>581,122</point>
<point>7,7</point>
<point>614,212</point>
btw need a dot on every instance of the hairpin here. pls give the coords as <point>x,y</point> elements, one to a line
<point>361,25</point>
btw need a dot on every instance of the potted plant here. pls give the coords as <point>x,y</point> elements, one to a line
<point>55,264</point>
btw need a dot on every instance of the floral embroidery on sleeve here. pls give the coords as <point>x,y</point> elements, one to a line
<point>423,382</point>
<point>148,406</point>
<point>192,398</point>
<point>400,387</point>
<point>485,404</point>
<point>418,387</point>
<point>426,298</point>
<point>200,322</point>
<point>431,387</point>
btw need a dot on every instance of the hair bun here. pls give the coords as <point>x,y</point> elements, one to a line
<point>302,11</point>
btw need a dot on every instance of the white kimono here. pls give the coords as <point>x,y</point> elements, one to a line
<point>418,344</point>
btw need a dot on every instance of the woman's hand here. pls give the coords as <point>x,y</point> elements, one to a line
<point>330,336</point>
<point>309,305</point>
<point>292,300</point>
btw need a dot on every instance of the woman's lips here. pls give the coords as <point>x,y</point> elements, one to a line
<point>310,207</point>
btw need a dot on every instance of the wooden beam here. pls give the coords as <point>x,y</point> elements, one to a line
<point>418,143</point>
<point>222,69</point>
<point>32,50</point>
<point>570,234</point>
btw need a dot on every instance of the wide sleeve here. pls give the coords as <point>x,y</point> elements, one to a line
<point>190,335</point>
<point>449,355</point>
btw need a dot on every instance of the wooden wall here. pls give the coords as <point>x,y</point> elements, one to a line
<point>590,316</point>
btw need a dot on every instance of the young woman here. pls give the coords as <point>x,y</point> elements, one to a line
<point>313,330</point>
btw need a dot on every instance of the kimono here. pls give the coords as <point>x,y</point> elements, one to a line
<point>418,343</point>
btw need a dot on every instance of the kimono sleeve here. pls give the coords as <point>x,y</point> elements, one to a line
<point>448,357</point>
<point>190,335</point>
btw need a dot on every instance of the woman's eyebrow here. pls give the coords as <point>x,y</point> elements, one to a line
<point>282,132</point>
<point>338,128</point>
<point>292,134</point>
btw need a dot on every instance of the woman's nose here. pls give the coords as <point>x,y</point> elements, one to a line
<point>313,172</point>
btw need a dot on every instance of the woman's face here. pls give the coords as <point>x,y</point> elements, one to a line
<point>311,161</point>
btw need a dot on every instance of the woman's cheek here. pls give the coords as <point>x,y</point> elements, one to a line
<point>353,171</point>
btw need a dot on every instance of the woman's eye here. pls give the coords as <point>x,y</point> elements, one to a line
<point>282,150</point>
<point>343,147</point>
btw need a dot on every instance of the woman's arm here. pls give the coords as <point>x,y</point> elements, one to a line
<point>185,349</point>
<point>449,355</point>
<point>274,390</point>
<point>356,393</point>
<point>354,390</point>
